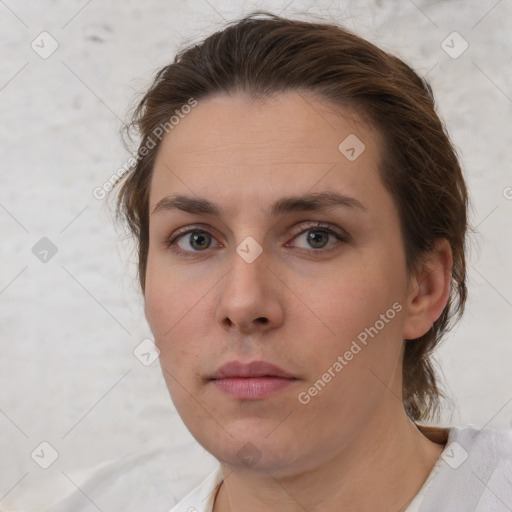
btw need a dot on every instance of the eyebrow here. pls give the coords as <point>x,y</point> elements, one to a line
<point>319,201</point>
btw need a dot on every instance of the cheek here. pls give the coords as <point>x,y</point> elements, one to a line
<point>168,297</point>
<point>164,309</point>
<point>354,363</point>
<point>357,298</point>
<point>167,303</point>
<point>362,318</point>
<point>176,311</point>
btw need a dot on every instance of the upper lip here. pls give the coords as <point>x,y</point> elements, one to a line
<point>252,369</point>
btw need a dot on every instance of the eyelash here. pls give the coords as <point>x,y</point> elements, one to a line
<point>340,236</point>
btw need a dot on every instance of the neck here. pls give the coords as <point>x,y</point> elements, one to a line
<point>382,468</point>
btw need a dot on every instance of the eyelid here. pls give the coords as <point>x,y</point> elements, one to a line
<point>322,226</point>
<point>189,228</point>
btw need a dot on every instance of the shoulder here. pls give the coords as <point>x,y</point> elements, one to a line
<point>152,479</point>
<point>473,473</point>
<point>201,498</point>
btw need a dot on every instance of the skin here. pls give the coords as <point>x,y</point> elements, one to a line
<point>298,306</point>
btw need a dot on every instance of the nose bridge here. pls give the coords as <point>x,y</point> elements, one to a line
<point>248,266</point>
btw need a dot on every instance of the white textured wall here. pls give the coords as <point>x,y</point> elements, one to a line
<point>69,326</point>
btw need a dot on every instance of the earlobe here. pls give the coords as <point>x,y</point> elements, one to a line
<point>429,291</point>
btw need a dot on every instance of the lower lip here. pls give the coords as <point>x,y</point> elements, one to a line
<point>254,388</point>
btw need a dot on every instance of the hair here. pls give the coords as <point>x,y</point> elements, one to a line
<point>264,54</point>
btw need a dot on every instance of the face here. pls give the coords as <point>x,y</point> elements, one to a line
<point>316,287</point>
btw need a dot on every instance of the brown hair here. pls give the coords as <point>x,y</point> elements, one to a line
<point>264,54</point>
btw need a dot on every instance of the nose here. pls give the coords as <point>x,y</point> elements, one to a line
<point>250,297</point>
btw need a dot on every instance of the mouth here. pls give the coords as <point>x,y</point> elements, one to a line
<point>252,381</point>
<point>251,388</point>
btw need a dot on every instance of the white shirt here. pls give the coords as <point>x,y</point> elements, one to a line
<point>472,474</point>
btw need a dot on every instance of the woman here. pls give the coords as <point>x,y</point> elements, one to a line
<point>301,216</point>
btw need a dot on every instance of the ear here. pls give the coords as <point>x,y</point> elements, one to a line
<point>429,290</point>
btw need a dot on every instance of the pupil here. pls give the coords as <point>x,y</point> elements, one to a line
<point>200,239</point>
<point>315,238</point>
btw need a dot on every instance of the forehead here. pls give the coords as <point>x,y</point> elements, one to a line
<point>296,120</point>
<point>290,141</point>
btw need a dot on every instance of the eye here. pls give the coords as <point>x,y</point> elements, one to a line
<point>194,240</point>
<point>190,240</point>
<point>317,237</point>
